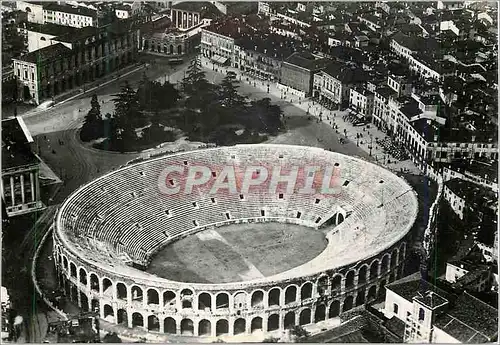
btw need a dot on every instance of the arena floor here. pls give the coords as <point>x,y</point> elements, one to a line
<point>238,252</point>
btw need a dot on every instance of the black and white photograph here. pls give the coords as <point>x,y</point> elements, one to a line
<point>249,172</point>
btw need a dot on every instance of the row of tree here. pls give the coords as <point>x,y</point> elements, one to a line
<point>202,110</point>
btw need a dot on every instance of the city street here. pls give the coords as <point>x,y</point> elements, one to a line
<point>314,133</point>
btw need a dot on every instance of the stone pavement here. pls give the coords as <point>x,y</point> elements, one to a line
<point>369,131</point>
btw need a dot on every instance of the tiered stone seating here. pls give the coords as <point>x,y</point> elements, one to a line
<point>127,211</point>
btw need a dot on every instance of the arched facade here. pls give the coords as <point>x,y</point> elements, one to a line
<point>133,298</point>
<point>155,308</point>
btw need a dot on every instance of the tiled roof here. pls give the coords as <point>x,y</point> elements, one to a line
<point>345,74</point>
<point>82,11</point>
<point>474,194</point>
<point>51,29</point>
<point>465,318</point>
<point>47,53</point>
<point>306,61</point>
<point>15,144</point>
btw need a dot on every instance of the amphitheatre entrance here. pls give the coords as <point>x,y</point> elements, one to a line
<point>238,252</point>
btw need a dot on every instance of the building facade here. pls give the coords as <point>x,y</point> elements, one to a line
<point>77,17</point>
<point>20,169</point>
<point>361,100</point>
<point>34,11</point>
<point>75,60</point>
<point>297,72</point>
<point>217,47</point>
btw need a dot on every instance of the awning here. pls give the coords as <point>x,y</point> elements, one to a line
<point>219,59</point>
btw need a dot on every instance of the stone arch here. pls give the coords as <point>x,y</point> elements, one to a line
<point>187,327</point>
<point>153,297</point>
<point>340,218</point>
<point>385,266</point>
<point>186,292</point>
<point>257,299</point>
<point>322,285</point>
<point>372,293</point>
<point>83,276</point>
<point>374,269</point>
<point>169,325</point>
<point>65,263</point>
<point>239,326</point>
<point>360,297</point>
<point>137,320</point>
<point>95,306</point>
<point>273,322</point>
<point>349,280</point>
<point>347,303</point>
<point>305,317</point>
<point>106,285</point>
<point>256,324</point>
<point>204,301</point>
<point>205,327</point>
<point>153,323</point>
<point>362,274</point>
<point>240,299</point>
<point>291,294</point>
<point>121,291</point>
<point>222,300</point>
<point>402,251</point>
<point>108,311</point>
<point>73,293</point>
<point>274,296</point>
<point>136,293</point>
<point>122,317</point>
<point>72,269</point>
<point>168,297</point>
<point>221,327</point>
<point>381,290</point>
<point>336,282</point>
<point>84,301</point>
<point>320,313</point>
<point>289,321</point>
<point>394,258</point>
<point>187,304</point>
<point>306,290</point>
<point>334,309</point>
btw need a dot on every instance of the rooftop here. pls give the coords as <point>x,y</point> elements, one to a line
<point>82,11</point>
<point>272,45</point>
<point>475,195</point>
<point>51,29</point>
<point>346,74</point>
<point>306,61</point>
<point>15,144</point>
<point>47,53</point>
<point>476,167</point>
<point>465,318</point>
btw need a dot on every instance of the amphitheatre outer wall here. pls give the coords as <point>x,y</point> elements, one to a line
<point>301,296</point>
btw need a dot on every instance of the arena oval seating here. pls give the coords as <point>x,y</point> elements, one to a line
<point>124,214</point>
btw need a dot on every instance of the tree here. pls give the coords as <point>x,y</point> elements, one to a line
<point>263,116</point>
<point>299,332</point>
<point>228,92</point>
<point>92,125</point>
<point>126,117</point>
<point>111,338</point>
<point>199,92</point>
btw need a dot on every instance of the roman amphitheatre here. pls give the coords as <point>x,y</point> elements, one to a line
<point>221,265</point>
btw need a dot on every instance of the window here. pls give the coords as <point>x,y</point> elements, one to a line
<point>280,196</point>
<point>421,314</point>
<point>395,308</point>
